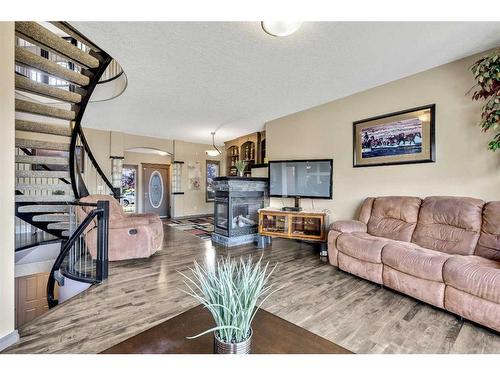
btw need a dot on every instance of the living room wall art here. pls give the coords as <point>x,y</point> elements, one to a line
<point>194,175</point>
<point>403,137</point>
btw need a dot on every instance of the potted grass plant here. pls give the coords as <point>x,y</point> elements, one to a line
<point>232,292</point>
<point>240,167</point>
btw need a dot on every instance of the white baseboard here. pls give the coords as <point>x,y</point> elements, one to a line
<point>8,340</point>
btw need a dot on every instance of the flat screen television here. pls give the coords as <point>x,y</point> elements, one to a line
<point>301,178</point>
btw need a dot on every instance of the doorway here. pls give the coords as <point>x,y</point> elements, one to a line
<point>156,189</point>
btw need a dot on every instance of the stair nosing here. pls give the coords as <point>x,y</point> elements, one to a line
<point>40,36</point>
<point>43,127</point>
<point>42,145</point>
<point>29,59</point>
<point>29,85</point>
<point>43,110</point>
<point>47,160</point>
<point>42,174</point>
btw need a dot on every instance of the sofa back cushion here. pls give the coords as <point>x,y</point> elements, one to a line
<point>449,224</point>
<point>115,210</point>
<point>488,245</point>
<point>394,217</point>
<point>366,210</point>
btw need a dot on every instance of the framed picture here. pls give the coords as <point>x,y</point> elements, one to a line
<point>396,138</point>
<point>194,175</point>
<point>213,170</point>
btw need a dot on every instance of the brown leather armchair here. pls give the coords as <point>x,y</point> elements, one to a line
<point>130,235</point>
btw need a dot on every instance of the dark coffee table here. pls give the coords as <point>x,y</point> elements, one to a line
<point>271,335</point>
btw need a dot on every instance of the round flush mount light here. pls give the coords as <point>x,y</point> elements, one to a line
<point>280,28</point>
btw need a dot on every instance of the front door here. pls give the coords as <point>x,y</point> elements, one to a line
<point>155,192</point>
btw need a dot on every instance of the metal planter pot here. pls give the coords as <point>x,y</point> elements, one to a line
<point>233,348</point>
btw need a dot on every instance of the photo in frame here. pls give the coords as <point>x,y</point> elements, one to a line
<point>403,137</point>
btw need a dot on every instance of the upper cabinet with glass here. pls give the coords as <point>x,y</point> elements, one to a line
<point>249,148</point>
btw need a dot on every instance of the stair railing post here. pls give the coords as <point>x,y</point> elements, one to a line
<point>102,240</point>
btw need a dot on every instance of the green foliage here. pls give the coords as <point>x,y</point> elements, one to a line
<point>487,74</point>
<point>230,292</point>
<point>240,165</point>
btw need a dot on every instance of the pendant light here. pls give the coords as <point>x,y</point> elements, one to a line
<point>215,151</point>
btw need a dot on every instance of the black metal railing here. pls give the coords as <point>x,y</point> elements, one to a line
<point>87,177</point>
<point>84,257</point>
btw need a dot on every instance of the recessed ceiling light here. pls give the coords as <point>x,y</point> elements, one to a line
<point>280,28</point>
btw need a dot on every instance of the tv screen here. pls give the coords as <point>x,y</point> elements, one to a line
<point>301,178</point>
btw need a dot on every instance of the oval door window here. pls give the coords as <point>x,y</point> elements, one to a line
<point>155,189</point>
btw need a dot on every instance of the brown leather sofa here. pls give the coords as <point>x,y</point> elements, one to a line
<point>130,235</point>
<point>442,250</point>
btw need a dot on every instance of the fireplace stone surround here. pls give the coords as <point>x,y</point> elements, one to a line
<point>236,209</point>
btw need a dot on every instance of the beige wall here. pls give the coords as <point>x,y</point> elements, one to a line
<point>7,186</point>
<point>107,143</point>
<point>463,166</point>
<point>193,202</point>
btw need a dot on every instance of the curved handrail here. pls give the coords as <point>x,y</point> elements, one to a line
<point>111,79</point>
<point>78,131</point>
<point>101,212</point>
<point>64,252</point>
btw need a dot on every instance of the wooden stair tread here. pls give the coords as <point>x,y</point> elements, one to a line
<point>42,145</point>
<point>44,110</point>
<point>41,208</point>
<point>29,59</point>
<point>42,174</point>
<point>39,35</point>
<point>44,198</point>
<point>42,127</point>
<point>51,217</point>
<point>26,84</point>
<point>61,225</point>
<point>48,187</point>
<point>47,160</point>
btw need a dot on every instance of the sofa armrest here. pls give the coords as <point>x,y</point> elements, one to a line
<point>348,226</point>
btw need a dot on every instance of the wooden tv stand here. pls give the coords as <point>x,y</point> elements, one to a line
<point>307,225</point>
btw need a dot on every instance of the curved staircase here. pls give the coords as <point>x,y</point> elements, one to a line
<point>57,70</point>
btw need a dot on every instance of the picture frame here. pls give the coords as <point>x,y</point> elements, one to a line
<point>404,137</point>
<point>212,171</point>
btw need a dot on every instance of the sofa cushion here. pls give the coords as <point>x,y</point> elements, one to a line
<point>425,290</point>
<point>415,260</point>
<point>488,245</point>
<point>474,275</point>
<point>471,307</point>
<point>449,224</point>
<point>362,246</point>
<point>394,217</point>
<point>366,270</point>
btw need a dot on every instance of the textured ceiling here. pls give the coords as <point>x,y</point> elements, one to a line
<point>187,79</point>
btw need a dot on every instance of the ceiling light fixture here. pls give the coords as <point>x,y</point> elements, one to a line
<point>216,151</point>
<point>280,28</point>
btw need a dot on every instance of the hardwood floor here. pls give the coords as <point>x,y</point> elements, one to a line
<point>354,313</point>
